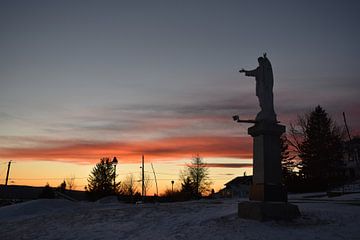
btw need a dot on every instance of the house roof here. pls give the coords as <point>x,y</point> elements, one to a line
<point>239,180</point>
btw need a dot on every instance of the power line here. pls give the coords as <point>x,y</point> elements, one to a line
<point>128,173</point>
<point>45,178</point>
<point>2,171</point>
<point>168,174</point>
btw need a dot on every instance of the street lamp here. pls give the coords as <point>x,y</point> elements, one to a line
<point>114,162</point>
<point>172,185</point>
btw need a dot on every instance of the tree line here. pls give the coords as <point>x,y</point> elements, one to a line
<point>313,153</point>
<point>194,182</point>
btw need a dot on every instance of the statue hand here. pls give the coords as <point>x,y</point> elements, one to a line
<point>242,70</point>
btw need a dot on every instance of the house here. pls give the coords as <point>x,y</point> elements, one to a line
<point>238,187</point>
<point>352,158</point>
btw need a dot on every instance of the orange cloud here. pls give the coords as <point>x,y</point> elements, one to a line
<point>171,148</point>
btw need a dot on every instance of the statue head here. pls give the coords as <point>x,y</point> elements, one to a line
<point>261,60</point>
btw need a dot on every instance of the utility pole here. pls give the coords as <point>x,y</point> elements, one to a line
<point>114,162</point>
<point>142,174</point>
<point>346,126</point>
<point>7,174</point>
<point>157,190</point>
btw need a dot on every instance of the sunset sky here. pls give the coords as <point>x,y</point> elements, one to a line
<point>81,80</point>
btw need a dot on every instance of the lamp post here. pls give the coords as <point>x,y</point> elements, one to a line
<point>172,185</point>
<point>114,162</point>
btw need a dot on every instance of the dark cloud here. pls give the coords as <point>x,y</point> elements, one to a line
<point>231,105</point>
<point>146,120</point>
<point>229,165</point>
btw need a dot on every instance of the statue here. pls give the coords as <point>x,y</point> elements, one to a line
<point>268,196</point>
<point>264,89</point>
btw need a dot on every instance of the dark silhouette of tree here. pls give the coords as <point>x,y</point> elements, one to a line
<point>176,195</point>
<point>195,178</point>
<point>318,142</point>
<point>128,186</point>
<point>288,162</point>
<point>101,179</point>
<point>129,190</point>
<point>289,166</point>
<point>188,187</point>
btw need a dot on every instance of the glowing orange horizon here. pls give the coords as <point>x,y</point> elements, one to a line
<point>164,149</point>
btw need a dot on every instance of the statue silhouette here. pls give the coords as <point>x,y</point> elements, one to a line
<point>264,88</point>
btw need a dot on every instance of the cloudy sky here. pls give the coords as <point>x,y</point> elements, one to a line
<point>81,80</point>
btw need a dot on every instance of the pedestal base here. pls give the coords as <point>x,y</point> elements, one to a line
<point>263,211</point>
<point>267,192</point>
<point>267,162</point>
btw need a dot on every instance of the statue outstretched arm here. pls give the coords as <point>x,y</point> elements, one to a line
<point>251,73</point>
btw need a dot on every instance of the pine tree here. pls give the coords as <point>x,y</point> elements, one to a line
<point>321,148</point>
<point>188,187</point>
<point>196,176</point>
<point>101,179</point>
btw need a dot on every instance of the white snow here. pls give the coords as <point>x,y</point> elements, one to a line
<point>330,218</point>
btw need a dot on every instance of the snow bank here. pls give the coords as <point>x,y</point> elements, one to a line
<point>109,199</point>
<point>205,219</point>
<point>324,197</point>
<point>350,197</point>
<point>34,208</point>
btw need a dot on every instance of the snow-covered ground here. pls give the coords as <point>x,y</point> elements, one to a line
<point>322,218</point>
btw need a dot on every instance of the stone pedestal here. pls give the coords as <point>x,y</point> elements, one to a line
<point>267,163</point>
<point>263,211</point>
<point>268,197</point>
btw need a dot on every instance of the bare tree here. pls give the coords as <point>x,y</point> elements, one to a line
<point>296,135</point>
<point>70,182</point>
<point>288,161</point>
<point>128,186</point>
